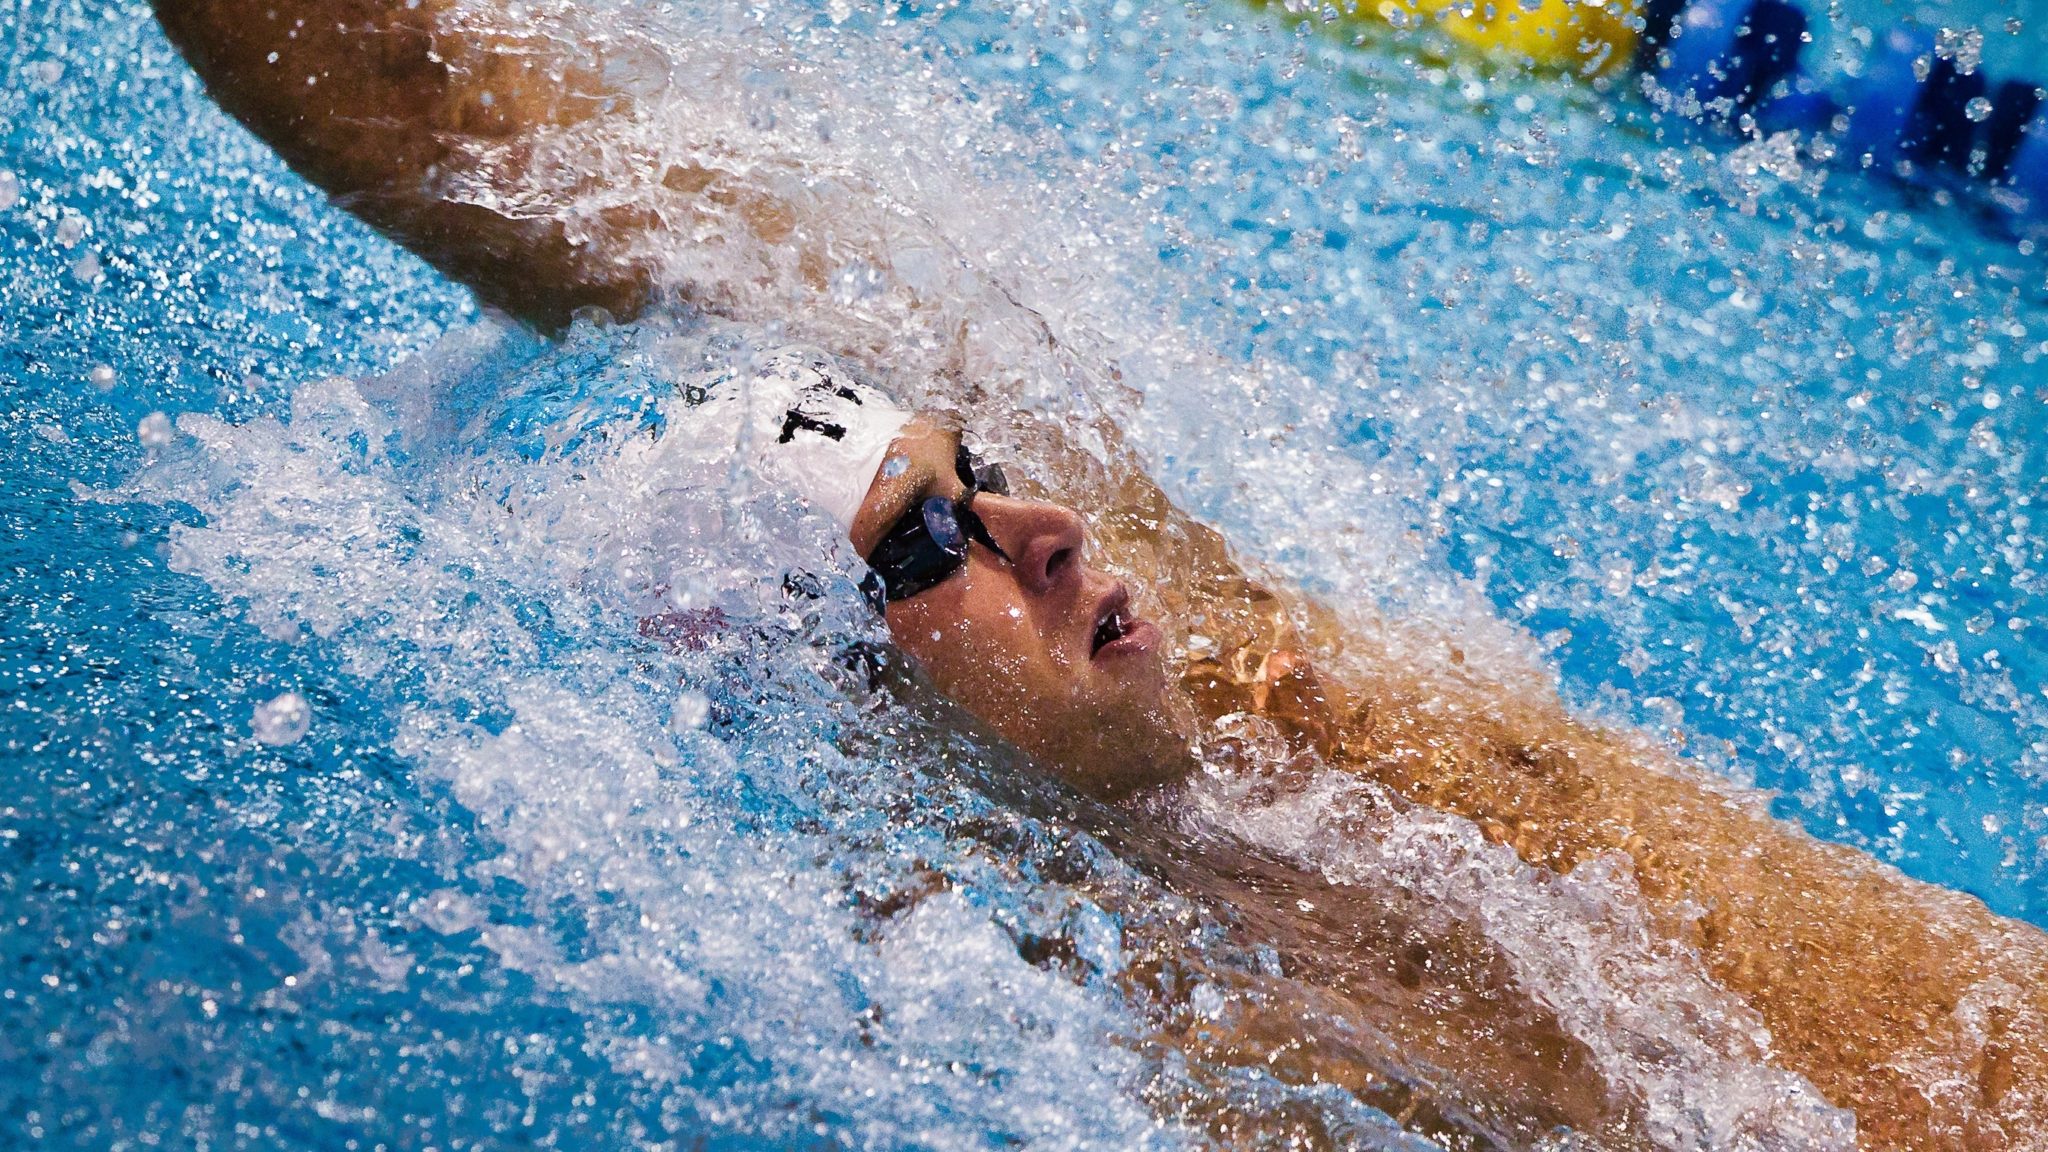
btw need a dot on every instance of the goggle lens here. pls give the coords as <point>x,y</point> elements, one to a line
<point>929,543</point>
<point>942,525</point>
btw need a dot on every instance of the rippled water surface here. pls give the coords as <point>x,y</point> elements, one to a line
<point>348,807</point>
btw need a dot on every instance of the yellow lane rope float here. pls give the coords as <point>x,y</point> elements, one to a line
<point>1584,37</point>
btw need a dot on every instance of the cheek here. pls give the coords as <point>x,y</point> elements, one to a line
<point>974,643</point>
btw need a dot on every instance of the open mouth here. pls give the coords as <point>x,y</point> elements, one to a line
<point>1113,620</point>
<point>1112,628</point>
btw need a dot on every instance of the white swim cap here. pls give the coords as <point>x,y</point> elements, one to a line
<point>805,423</point>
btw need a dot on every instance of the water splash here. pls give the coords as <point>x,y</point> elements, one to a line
<point>687,892</point>
<point>1438,346</point>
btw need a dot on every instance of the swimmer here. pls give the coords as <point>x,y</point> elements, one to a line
<point>1910,1005</point>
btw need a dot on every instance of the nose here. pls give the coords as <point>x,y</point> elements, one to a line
<point>1042,540</point>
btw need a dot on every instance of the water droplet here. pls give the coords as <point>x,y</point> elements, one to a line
<point>86,268</point>
<point>1963,46</point>
<point>1978,110</point>
<point>282,719</point>
<point>70,230</point>
<point>895,466</point>
<point>692,710</point>
<point>102,377</point>
<point>154,430</point>
<point>10,190</point>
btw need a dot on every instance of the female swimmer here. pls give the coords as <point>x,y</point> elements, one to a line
<point>1912,1006</point>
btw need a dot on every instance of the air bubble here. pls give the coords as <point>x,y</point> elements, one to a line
<point>448,912</point>
<point>281,720</point>
<point>102,377</point>
<point>70,230</point>
<point>10,190</point>
<point>1978,110</point>
<point>691,591</point>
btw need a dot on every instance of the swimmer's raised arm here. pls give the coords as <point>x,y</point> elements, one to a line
<point>364,97</point>
<point>384,103</point>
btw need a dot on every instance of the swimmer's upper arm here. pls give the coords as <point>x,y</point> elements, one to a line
<point>367,98</point>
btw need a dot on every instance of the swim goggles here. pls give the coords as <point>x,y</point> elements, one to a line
<point>928,543</point>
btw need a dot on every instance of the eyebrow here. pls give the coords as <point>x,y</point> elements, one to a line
<point>916,496</point>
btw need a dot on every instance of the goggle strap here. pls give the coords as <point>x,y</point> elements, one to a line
<point>970,523</point>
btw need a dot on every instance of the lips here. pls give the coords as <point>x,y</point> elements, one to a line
<point>1117,629</point>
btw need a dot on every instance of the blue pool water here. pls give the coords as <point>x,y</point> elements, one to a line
<point>1738,448</point>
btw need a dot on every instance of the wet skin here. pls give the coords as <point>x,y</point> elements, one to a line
<point>1038,643</point>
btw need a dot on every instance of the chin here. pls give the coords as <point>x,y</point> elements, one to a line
<point>1136,746</point>
<point>1129,680</point>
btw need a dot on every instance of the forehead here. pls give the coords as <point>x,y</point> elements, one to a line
<point>919,464</point>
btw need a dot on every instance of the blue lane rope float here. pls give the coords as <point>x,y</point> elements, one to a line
<point>1724,58</point>
<point>1915,113</point>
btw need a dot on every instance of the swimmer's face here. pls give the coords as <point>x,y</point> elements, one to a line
<point>1042,646</point>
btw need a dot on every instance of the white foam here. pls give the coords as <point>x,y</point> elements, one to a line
<point>511,586</point>
<point>1695,1058</point>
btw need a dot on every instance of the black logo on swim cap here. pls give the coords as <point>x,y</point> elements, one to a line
<point>793,420</point>
<point>796,418</point>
